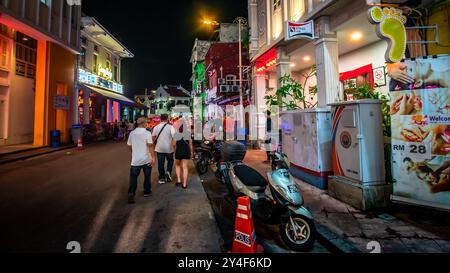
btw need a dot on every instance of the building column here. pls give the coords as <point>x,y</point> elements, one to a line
<point>283,65</point>
<point>86,97</point>
<point>327,61</point>
<point>260,104</point>
<point>253,14</point>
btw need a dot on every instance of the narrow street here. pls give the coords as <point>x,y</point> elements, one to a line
<point>48,201</point>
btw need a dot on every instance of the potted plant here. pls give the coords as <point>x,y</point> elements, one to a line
<point>292,95</point>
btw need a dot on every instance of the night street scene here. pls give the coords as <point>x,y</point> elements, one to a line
<point>225,127</point>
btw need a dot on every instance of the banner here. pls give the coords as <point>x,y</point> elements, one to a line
<point>300,30</point>
<point>420,114</point>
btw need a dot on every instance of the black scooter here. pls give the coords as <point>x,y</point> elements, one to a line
<point>207,154</point>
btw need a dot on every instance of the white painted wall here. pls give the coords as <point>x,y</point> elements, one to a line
<point>21,110</point>
<point>300,78</point>
<point>102,52</point>
<point>371,54</point>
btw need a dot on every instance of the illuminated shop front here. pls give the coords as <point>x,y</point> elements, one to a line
<point>330,57</point>
<point>101,99</point>
<point>345,57</point>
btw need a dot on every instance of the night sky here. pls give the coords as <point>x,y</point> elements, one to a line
<point>161,35</point>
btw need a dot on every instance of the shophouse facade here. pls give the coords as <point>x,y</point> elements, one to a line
<point>39,45</point>
<point>101,94</point>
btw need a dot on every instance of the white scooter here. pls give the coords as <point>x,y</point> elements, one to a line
<point>284,205</point>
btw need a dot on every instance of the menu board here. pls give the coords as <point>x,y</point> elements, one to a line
<point>420,115</point>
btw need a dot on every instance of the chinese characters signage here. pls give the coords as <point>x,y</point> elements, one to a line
<point>61,102</point>
<point>92,79</point>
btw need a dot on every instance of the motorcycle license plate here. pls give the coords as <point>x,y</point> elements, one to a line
<point>293,189</point>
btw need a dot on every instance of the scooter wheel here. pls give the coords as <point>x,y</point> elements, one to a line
<point>306,233</point>
<point>202,166</point>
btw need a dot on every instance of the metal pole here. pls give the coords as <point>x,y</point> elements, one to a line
<point>241,97</point>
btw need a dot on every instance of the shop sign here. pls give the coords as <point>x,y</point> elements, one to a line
<point>390,27</point>
<point>92,79</point>
<point>302,30</point>
<point>61,102</point>
<point>105,72</point>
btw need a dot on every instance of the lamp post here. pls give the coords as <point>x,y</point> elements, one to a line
<point>241,22</point>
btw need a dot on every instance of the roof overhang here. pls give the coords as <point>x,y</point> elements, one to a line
<point>93,28</point>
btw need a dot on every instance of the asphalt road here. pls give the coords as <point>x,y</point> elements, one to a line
<point>48,201</point>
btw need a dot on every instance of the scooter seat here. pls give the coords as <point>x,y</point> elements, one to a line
<point>249,176</point>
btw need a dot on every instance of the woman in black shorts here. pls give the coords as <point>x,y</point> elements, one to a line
<point>184,151</point>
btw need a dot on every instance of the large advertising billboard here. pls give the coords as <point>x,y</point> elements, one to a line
<point>420,114</point>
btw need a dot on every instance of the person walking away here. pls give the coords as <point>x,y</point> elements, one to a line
<point>142,158</point>
<point>130,128</point>
<point>163,135</point>
<point>268,136</point>
<point>184,151</point>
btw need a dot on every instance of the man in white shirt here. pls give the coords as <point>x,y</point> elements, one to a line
<point>163,135</point>
<point>143,158</point>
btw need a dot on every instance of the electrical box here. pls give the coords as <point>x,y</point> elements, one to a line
<point>358,142</point>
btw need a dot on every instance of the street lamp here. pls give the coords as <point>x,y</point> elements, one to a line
<point>241,22</point>
<point>210,22</point>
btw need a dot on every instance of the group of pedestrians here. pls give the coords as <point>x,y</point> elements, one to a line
<point>166,143</point>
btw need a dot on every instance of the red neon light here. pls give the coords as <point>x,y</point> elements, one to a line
<point>266,61</point>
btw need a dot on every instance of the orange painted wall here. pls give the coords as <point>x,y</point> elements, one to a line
<point>55,76</point>
<point>41,135</point>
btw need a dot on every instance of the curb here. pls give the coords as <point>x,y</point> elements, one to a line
<point>333,242</point>
<point>21,151</point>
<point>2,162</point>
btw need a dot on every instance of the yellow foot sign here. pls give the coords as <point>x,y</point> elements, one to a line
<point>391,27</point>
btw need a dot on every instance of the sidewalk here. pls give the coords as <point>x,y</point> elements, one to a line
<point>399,229</point>
<point>10,154</point>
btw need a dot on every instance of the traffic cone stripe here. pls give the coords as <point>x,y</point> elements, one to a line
<point>244,208</point>
<point>242,216</point>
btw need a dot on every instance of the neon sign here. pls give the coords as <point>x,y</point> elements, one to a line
<point>390,27</point>
<point>92,79</point>
<point>105,72</point>
<point>266,61</point>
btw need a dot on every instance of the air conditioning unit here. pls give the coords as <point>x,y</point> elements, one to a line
<point>235,88</point>
<point>222,81</point>
<point>224,88</point>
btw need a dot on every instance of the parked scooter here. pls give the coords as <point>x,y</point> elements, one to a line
<point>284,205</point>
<point>207,154</point>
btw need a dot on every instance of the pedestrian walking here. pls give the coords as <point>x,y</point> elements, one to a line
<point>130,128</point>
<point>268,139</point>
<point>163,135</point>
<point>116,130</point>
<point>184,151</point>
<point>142,158</point>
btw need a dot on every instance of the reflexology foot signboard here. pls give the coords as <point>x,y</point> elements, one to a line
<point>420,114</point>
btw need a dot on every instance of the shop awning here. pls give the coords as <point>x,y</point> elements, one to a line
<point>108,94</point>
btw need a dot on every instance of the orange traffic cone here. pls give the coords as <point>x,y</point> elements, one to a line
<point>244,231</point>
<point>80,144</point>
